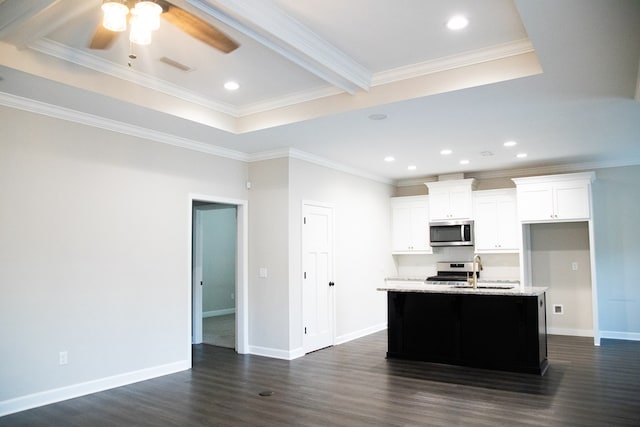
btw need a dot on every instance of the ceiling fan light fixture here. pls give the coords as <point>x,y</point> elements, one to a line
<point>147,14</point>
<point>138,33</point>
<point>114,16</point>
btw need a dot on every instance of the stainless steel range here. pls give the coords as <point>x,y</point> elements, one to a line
<point>452,272</point>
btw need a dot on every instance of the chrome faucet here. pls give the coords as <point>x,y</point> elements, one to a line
<point>476,268</point>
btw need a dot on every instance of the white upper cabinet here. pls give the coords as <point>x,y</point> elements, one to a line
<point>410,225</point>
<point>554,198</point>
<point>449,200</point>
<point>496,221</point>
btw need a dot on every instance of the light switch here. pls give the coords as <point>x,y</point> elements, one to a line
<point>574,266</point>
<point>262,273</point>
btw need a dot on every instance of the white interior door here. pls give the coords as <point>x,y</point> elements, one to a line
<point>196,279</point>
<point>317,281</point>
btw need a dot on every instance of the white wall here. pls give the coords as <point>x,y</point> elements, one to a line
<point>616,198</point>
<point>554,248</point>
<point>268,248</point>
<point>362,246</point>
<point>94,252</point>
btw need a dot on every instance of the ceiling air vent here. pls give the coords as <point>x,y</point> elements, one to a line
<point>176,64</point>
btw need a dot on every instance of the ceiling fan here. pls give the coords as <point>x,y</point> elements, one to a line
<point>144,17</point>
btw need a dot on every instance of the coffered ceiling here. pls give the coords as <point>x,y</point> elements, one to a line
<point>559,78</point>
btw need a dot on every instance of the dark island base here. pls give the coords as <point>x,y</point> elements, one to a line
<point>500,332</point>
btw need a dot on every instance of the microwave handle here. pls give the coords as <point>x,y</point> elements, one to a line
<point>462,232</point>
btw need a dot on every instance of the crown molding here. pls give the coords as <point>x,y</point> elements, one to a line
<point>75,116</point>
<point>532,171</point>
<point>62,113</point>
<point>287,100</point>
<point>292,153</point>
<point>465,59</point>
<point>86,60</point>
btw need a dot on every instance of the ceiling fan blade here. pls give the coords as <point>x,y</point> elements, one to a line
<point>102,38</point>
<point>199,29</point>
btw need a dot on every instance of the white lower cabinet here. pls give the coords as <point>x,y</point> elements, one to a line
<point>496,221</point>
<point>410,225</point>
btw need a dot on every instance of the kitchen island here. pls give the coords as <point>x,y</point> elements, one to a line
<point>493,326</point>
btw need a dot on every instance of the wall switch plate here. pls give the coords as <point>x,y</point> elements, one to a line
<point>574,266</point>
<point>262,272</point>
<point>558,309</point>
<point>63,358</point>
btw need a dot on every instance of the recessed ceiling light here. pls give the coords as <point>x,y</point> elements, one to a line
<point>389,159</point>
<point>377,116</point>
<point>457,22</point>
<point>521,155</point>
<point>510,144</point>
<point>231,85</point>
<point>411,167</point>
<point>446,152</point>
<point>464,162</point>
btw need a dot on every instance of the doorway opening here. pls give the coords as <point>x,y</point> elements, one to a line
<point>219,273</point>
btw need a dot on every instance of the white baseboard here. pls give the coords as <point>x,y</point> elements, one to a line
<point>47,397</point>
<point>361,333</point>
<point>276,353</point>
<point>570,332</point>
<point>615,335</point>
<point>214,313</point>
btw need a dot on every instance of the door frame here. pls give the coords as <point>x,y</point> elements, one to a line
<point>242,269</point>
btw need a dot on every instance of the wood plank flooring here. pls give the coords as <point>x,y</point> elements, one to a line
<point>354,385</point>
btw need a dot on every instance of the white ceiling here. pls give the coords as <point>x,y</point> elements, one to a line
<point>559,77</point>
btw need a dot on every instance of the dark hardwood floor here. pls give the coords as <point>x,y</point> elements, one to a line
<point>354,385</point>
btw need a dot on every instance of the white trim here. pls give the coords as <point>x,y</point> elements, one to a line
<point>216,313</point>
<point>242,269</point>
<point>539,170</point>
<point>361,333</point>
<point>491,53</point>
<point>287,100</point>
<point>570,332</point>
<point>276,353</point>
<point>293,153</point>
<point>62,113</point>
<point>47,397</point>
<point>616,335</point>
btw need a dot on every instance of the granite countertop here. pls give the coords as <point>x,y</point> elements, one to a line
<point>492,288</point>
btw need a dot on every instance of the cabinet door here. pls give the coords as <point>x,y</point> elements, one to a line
<point>507,226</point>
<point>460,203</point>
<point>486,224</point>
<point>496,221</point>
<point>410,225</point>
<point>401,228</point>
<point>535,203</point>
<point>571,200</point>
<point>439,208</point>
<point>420,228</point>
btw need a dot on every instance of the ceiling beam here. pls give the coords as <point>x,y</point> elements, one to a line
<point>267,24</point>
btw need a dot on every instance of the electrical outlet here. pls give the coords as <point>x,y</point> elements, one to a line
<point>63,357</point>
<point>233,295</point>
<point>574,266</point>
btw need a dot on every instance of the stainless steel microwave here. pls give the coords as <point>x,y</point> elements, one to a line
<point>451,233</point>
